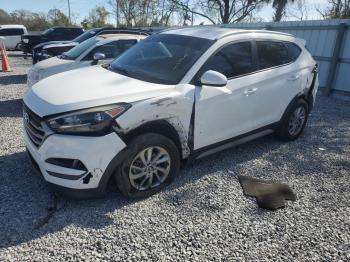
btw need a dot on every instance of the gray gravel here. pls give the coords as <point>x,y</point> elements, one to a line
<point>203,215</point>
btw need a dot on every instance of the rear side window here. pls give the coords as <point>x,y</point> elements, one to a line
<point>293,51</point>
<point>271,54</point>
<point>11,32</point>
<point>232,61</point>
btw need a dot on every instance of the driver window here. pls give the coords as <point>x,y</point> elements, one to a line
<point>232,60</point>
<point>112,49</point>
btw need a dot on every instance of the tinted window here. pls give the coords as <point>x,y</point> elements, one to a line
<point>161,58</point>
<point>11,32</point>
<point>88,34</point>
<point>293,51</point>
<point>48,31</point>
<point>271,54</point>
<point>112,49</point>
<point>233,60</point>
<point>76,51</point>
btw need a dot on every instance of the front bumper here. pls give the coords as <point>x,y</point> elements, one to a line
<point>25,47</point>
<point>98,154</point>
<point>40,56</point>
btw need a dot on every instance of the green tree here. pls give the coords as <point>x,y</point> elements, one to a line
<point>33,21</point>
<point>97,17</point>
<point>5,18</point>
<point>57,18</point>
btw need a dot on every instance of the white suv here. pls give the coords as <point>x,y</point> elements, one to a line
<point>178,95</point>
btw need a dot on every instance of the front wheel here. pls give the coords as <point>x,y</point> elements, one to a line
<point>152,162</point>
<point>293,121</point>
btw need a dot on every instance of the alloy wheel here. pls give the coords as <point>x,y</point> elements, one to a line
<point>149,168</point>
<point>297,121</point>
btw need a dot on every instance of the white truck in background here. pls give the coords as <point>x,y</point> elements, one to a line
<point>11,34</point>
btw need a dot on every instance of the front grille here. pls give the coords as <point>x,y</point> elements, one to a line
<point>33,126</point>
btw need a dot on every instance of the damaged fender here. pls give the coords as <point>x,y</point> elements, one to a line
<point>175,108</point>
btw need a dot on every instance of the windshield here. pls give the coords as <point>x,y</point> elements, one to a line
<point>161,58</point>
<point>47,31</point>
<point>88,34</point>
<point>76,51</point>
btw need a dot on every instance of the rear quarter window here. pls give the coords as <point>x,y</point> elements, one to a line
<point>272,54</point>
<point>294,51</point>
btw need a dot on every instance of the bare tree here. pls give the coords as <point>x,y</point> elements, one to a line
<point>142,12</point>
<point>221,11</point>
<point>299,11</point>
<point>336,9</point>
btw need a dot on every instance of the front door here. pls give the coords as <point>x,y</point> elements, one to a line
<point>225,112</point>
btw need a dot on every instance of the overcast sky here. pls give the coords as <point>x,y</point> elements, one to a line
<point>80,8</point>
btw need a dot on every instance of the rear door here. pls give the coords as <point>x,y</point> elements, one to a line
<point>279,80</point>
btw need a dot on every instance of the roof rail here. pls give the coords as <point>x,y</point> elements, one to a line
<point>125,31</point>
<point>246,31</point>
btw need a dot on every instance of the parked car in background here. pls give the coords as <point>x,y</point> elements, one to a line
<point>46,50</point>
<point>12,35</point>
<point>52,34</point>
<point>96,50</point>
<point>180,94</point>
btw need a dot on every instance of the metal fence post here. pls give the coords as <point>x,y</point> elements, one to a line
<point>335,58</point>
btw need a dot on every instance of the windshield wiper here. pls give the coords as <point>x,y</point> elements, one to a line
<point>64,56</point>
<point>119,70</point>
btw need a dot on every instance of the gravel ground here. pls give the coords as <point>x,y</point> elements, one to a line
<point>203,215</point>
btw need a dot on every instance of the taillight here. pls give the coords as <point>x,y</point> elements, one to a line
<point>315,69</point>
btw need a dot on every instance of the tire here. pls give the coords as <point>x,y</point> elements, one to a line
<point>295,116</point>
<point>154,176</point>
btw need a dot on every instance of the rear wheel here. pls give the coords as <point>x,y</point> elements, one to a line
<point>293,121</point>
<point>153,161</point>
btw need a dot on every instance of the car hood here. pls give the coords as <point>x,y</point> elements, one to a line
<point>41,45</point>
<point>51,63</point>
<point>88,87</point>
<point>72,44</point>
<point>31,36</point>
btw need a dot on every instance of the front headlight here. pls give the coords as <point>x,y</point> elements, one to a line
<point>44,53</point>
<point>34,76</point>
<point>25,40</point>
<point>88,122</point>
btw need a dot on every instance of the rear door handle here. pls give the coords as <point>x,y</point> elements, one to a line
<point>293,78</point>
<point>250,91</point>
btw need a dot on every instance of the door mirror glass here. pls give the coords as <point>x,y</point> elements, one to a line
<point>99,56</point>
<point>213,78</point>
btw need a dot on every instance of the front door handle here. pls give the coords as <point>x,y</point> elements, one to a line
<point>250,91</point>
<point>293,78</point>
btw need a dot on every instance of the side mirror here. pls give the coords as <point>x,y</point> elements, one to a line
<point>213,78</point>
<point>99,56</point>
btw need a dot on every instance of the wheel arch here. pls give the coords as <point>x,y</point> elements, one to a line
<point>161,127</point>
<point>302,96</point>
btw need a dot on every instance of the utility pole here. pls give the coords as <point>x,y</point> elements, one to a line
<point>70,20</point>
<point>192,18</point>
<point>117,12</point>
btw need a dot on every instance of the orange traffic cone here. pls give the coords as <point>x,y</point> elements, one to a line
<point>5,60</point>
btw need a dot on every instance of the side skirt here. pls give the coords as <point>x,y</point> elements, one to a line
<point>232,142</point>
